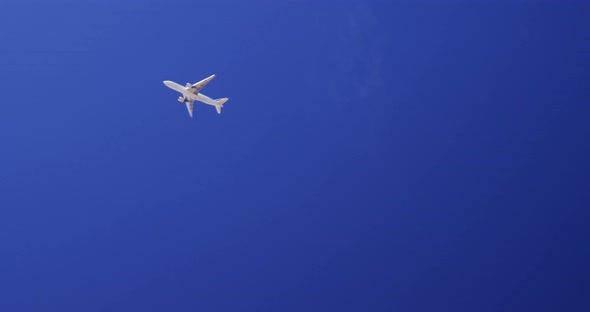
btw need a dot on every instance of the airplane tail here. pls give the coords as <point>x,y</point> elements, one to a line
<point>219,104</point>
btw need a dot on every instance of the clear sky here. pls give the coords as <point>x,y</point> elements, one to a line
<point>373,156</point>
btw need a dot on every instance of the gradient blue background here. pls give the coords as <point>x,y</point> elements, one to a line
<point>373,156</point>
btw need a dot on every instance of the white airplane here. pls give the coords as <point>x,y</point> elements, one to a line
<point>191,93</point>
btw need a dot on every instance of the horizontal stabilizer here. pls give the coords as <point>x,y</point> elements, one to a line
<point>219,104</point>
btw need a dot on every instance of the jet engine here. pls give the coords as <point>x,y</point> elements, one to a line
<point>181,99</point>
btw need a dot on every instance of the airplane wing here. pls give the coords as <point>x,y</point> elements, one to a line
<point>189,107</point>
<point>199,85</point>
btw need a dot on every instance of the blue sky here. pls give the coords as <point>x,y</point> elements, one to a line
<point>373,156</point>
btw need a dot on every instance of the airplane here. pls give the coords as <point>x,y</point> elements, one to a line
<point>191,93</point>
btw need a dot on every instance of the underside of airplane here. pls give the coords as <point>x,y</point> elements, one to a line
<point>192,92</point>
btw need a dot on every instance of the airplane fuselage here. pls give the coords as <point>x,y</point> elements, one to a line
<point>192,92</point>
<point>186,92</point>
